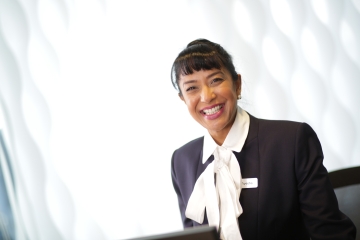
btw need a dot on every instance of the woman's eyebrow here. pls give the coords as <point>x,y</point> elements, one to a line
<point>214,73</point>
<point>190,81</point>
<point>209,76</point>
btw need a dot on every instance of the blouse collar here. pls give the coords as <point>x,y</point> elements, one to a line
<point>234,140</point>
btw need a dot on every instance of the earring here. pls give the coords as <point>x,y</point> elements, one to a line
<point>239,96</point>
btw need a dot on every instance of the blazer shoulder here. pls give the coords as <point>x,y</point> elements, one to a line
<point>278,123</point>
<point>187,157</point>
<point>280,130</point>
<point>191,147</point>
<point>280,126</point>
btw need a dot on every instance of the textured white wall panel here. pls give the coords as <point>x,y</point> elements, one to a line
<point>91,119</point>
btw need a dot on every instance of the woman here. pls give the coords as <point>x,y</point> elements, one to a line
<point>251,178</point>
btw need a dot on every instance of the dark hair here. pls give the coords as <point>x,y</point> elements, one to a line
<point>201,54</point>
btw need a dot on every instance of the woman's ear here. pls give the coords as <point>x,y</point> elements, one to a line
<point>181,97</point>
<point>238,85</point>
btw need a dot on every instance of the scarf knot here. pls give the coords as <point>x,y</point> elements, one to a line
<point>221,201</point>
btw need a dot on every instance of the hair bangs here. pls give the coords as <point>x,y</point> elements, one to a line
<point>198,61</point>
<point>201,54</point>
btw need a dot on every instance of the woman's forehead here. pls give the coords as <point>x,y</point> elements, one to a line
<point>203,73</point>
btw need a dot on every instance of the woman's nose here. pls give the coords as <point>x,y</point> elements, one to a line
<point>207,94</point>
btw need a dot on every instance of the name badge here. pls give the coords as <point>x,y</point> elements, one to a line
<point>249,183</point>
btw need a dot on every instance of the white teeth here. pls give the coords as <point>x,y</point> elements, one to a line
<point>212,110</point>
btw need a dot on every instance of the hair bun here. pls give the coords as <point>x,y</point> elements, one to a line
<point>200,41</point>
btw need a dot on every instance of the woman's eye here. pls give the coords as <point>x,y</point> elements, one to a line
<point>190,88</point>
<point>216,80</point>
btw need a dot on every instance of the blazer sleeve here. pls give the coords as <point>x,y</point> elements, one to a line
<point>177,187</point>
<point>318,201</point>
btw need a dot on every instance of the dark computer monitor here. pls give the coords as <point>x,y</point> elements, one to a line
<point>195,233</point>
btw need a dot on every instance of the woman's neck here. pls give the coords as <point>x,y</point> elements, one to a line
<point>220,136</point>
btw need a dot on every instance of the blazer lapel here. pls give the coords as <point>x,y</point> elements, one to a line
<point>250,168</point>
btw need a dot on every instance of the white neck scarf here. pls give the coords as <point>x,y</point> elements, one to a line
<point>221,200</point>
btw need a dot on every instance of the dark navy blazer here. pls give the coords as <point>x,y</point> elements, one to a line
<point>294,198</point>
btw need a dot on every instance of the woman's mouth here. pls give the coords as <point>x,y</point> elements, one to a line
<point>213,110</point>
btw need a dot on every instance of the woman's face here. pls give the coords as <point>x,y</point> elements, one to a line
<point>211,98</point>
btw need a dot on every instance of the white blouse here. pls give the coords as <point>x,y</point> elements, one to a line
<point>221,200</point>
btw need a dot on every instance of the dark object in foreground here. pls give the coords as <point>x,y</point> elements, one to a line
<point>196,233</point>
<point>346,184</point>
<point>345,177</point>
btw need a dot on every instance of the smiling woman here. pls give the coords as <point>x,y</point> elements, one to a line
<point>210,96</point>
<point>243,155</point>
<point>209,85</point>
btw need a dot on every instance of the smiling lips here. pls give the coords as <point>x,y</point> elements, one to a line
<point>213,110</point>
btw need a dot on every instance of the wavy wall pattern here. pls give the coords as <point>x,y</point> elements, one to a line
<point>90,119</point>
